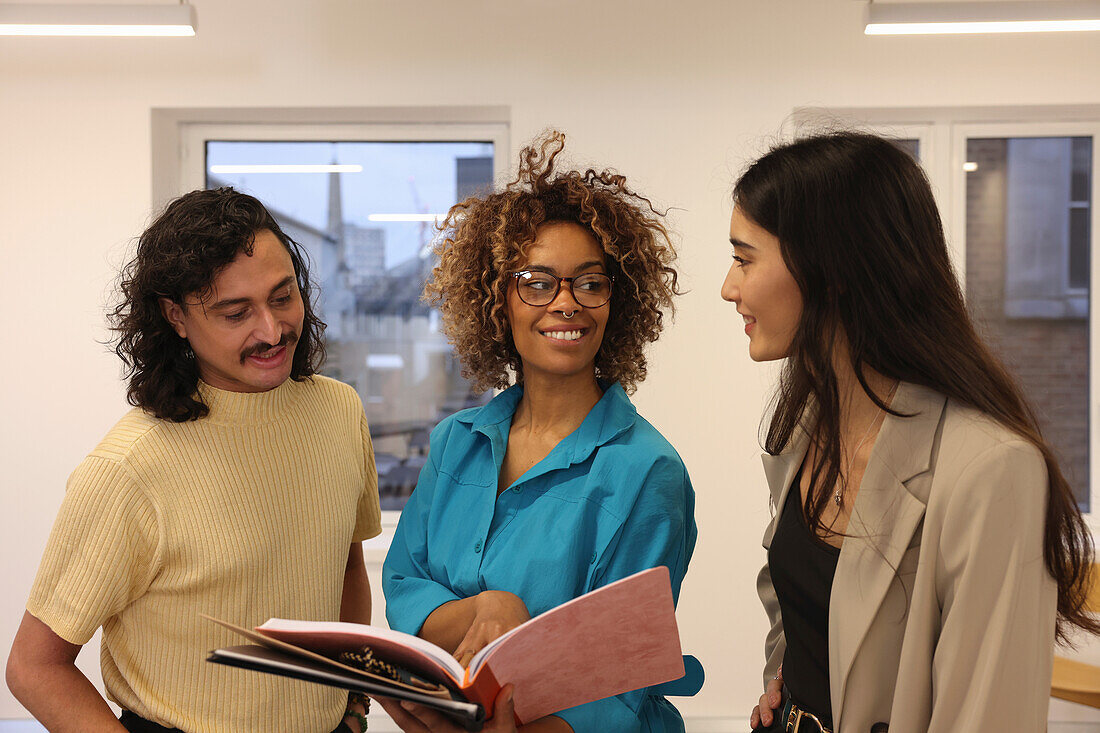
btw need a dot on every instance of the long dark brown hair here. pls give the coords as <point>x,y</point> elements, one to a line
<point>180,254</point>
<point>860,233</point>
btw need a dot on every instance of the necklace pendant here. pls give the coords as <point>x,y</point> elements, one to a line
<point>836,497</point>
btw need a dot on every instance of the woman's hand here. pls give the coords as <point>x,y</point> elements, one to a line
<point>419,719</point>
<point>495,612</point>
<point>762,714</point>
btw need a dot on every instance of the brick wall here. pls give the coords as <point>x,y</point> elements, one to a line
<point>1049,357</point>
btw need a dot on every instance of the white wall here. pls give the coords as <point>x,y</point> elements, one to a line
<point>674,94</point>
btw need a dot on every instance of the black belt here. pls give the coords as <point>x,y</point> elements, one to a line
<point>136,724</point>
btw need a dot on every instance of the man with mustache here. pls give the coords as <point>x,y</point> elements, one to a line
<point>241,485</point>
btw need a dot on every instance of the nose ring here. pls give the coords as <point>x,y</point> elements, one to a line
<point>568,315</point>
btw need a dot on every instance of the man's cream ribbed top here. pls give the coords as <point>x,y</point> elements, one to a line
<point>244,514</point>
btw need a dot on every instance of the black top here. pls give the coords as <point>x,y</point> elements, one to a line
<point>802,568</point>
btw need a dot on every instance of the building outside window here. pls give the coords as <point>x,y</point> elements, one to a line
<point>365,214</point>
<point>1028,211</point>
<point>1018,202</point>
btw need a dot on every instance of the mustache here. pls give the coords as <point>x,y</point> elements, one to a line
<point>289,339</point>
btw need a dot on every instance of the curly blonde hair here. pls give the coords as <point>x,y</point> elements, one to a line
<point>484,240</point>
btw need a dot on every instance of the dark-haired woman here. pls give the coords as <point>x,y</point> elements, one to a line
<point>557,486</point>
<point>926,549</point>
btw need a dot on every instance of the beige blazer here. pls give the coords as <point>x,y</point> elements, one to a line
<point>942,611</point>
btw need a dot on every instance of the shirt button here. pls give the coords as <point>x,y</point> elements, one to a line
<point>515,489</point>
<point>477,547</point>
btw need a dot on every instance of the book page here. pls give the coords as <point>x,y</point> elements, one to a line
<point>404,650</point>
<point>415,683</point>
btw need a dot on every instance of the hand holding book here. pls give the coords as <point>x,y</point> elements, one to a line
<point>413,718</point>
<point>617,638</point>
<point>496,613</point>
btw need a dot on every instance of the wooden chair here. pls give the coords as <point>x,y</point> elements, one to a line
<point>1079,681</point>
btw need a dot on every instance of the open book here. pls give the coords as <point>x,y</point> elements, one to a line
<point>617,638</point>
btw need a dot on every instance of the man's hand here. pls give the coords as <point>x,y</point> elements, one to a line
<point>418,719</point>
<point>495,612</point>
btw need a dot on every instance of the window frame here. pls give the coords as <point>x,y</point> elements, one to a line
<point>179,158</point>
<point>947,130</point>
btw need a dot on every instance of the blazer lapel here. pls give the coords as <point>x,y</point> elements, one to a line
<point>885,517</point>
<point>780,471</point>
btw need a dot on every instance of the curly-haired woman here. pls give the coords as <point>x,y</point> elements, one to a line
<point>557,486</point>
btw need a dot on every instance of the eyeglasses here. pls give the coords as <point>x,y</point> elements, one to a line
<point>540,288</point>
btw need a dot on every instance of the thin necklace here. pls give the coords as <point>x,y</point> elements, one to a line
<point>838,497</point>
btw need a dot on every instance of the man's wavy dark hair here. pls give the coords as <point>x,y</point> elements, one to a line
<point>180,254</point>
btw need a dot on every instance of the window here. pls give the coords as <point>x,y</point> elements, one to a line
<point>910,145</point>
<point>1028,208</point>
<point>1045,204</point>
<point>1018,203</point>
<point>362,201</point>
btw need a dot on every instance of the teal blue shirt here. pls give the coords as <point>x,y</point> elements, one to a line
<point>609,500</point>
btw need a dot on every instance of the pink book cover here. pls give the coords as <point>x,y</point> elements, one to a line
<point>615,639</point>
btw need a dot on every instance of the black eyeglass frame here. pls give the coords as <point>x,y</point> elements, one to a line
<point>557,289</point>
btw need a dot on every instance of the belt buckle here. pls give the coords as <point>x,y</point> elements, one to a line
<point>795,718</point>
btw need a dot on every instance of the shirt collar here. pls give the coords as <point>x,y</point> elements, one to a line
<point>247,408</point>
<point>609,418</point>
<point>495,411</point>
<point>612,416</point>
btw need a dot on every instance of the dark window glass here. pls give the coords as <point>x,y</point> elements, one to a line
<point>1079,221</point>
<point>1081,187</point>
<point>909,145</point>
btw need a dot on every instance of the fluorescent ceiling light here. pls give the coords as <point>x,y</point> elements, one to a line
<point>406,217</point>
<point>97,20</point>
<point>982,17</point>
<point>329,168</point>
